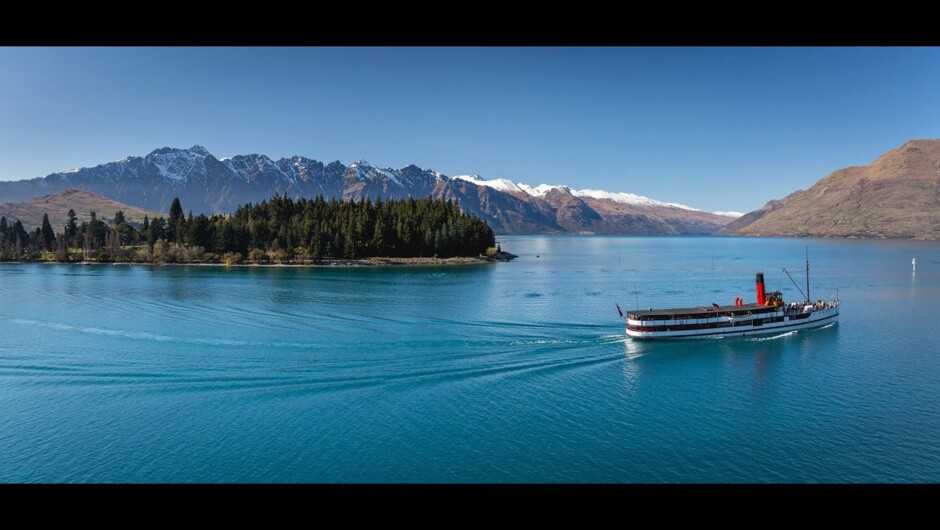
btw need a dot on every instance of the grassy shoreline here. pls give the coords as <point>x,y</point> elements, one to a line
<point>364,262</point>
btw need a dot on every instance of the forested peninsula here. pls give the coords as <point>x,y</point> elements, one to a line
<point>276,231</point>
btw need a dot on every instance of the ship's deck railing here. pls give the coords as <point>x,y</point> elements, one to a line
<point>798,308</point>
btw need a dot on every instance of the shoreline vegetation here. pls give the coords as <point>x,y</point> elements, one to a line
<point>324,263</point>
<point>277,232</point>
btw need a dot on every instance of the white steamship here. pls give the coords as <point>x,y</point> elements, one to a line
<point>770,314</point>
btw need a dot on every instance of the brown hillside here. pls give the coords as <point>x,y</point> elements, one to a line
<point>57,206</point>
<point>896,196</point>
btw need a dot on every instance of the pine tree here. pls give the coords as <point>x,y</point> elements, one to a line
<point>48,234</point>
<point>157,231</point>
<point>71,228</point>
<point>176,212</point>
<point>378,237</point>
<point>19,234</point>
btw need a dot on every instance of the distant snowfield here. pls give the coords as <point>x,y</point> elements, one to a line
<point>542,189</point>
<point>496,184</point>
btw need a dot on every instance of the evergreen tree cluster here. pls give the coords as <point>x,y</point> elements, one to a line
<point>278,230</point>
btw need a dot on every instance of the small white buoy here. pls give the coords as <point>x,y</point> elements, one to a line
<point>914,265</point>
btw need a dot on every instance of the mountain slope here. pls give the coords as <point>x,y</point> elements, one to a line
<point>57,205</point>
<point>896,196</point>
<point>206,184</point>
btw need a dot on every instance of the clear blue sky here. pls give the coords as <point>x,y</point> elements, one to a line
<point>715,128</point>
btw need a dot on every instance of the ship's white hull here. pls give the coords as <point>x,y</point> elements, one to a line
<point>815,319</point>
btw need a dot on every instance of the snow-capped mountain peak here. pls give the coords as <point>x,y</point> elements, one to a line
<point>543,189</point>
<point>175,165</point>
<point>496,184</point>
<point>365,171</point>
<point>628,198</point>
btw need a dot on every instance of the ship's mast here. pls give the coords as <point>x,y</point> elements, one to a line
<point>808,299</point>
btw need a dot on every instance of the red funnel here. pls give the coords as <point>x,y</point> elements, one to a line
<point>761,297</point>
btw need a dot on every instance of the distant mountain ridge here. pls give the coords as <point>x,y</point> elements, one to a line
<point>206,184</point>
<point>897,196</point>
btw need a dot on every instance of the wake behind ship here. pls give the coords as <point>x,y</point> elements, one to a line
<point>770,314</point>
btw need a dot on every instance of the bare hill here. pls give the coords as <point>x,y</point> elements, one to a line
<point>896,196</point>
<point>83,202</point>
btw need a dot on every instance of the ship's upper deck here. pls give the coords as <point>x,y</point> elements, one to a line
<point>686,313</point>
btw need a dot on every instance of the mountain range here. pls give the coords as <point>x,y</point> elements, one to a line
<point>206,184</point>
<point>896,196</point>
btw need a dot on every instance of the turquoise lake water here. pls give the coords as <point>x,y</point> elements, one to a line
<point>516,372</point>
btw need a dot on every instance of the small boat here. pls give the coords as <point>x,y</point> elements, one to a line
<point>769,314</point>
